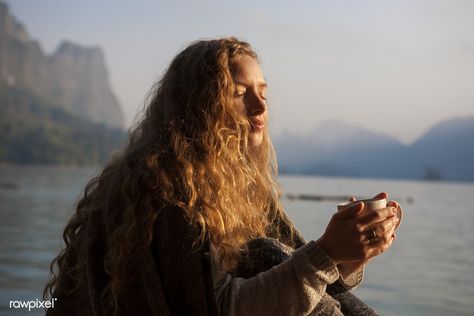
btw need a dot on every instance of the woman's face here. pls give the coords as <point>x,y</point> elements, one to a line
<point>250,95</point>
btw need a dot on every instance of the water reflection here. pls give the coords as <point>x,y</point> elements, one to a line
<point>35,203</point>
<point>428,271</point>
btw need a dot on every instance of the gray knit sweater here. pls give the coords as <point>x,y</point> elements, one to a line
<point>297,286</point>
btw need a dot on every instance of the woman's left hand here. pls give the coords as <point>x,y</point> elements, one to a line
<point>347,269</point>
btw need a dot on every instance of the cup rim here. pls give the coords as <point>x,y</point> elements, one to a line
<point>363,200</point>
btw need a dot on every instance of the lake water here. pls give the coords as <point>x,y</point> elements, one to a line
<point>429,270</point>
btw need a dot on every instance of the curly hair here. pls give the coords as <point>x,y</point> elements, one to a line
<point>189,149</point>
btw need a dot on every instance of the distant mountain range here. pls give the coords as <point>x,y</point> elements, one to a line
<point>339,149</point>
<point>54,109</point>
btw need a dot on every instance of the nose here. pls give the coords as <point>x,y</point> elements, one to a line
<point>256,105</point>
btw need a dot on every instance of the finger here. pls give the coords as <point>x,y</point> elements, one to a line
<point>379,244</point>
<point>381,195</point>
<point>352,199</point>
<point>393,203</point>
<point>349,212</point>
<point>385,226</point>
<point>386,245</point>
<point>399,213</point>
<point>387,238</point>
<point>369,234</point>
<point>376,216</point>
<point>375,247</point>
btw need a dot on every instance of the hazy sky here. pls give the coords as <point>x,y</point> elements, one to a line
<point>392,66</point>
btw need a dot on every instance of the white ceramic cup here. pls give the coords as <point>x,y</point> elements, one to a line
<point>372,205</point>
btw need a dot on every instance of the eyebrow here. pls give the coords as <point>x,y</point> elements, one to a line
<point>260,85</point>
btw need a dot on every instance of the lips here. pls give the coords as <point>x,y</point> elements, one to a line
<point>258,124</point>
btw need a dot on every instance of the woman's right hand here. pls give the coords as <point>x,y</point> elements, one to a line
<point>349,234</point>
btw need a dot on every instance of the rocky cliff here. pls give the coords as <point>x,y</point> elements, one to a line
<point>74,78</point>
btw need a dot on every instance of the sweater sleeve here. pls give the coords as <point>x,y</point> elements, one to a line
<point>354,279</point>
<point>293,287</point>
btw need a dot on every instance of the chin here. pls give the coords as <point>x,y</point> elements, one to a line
<point>256,139</point>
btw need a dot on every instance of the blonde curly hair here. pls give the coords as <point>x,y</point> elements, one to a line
<point>190,149</point>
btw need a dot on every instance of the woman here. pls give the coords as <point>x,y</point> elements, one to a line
<point>163,228</point>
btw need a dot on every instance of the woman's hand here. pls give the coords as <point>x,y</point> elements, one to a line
<point>348,268</point>
<point>349,236</point>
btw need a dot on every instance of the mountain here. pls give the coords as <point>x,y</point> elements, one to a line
<point>74,78</point>
<point>56,109</point>
<point>339,149</point>
<point>336,148</point>
<point>34,132</point>
<point>446,149</point>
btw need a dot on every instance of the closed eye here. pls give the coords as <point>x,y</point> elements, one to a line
<point>239,94</point>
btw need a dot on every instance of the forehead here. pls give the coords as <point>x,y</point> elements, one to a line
<point>246,70</point>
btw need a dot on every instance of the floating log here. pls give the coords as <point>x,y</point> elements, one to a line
<point>334,198</point>
<point>310,197</point>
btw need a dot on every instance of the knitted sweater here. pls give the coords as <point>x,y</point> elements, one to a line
<point>171,278</point>
<point>296,286</point>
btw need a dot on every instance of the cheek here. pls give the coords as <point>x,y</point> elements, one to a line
<point>240,107</point>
